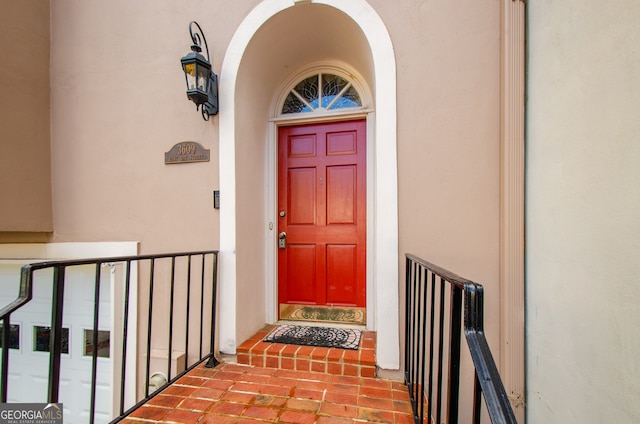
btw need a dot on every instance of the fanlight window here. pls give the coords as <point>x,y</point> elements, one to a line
<point>321,92</point>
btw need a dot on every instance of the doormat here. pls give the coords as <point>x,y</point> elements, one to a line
<point>343,338</point>
<point>341,314</point>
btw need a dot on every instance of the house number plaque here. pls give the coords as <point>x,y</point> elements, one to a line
<point>185,152</point>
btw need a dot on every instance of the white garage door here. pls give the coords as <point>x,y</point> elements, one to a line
<point>29,341</point>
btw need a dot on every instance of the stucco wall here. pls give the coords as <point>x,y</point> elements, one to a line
<point>583,231</point>
<point>448,69</point>
<point>25,170</point>
<point>118,103</point>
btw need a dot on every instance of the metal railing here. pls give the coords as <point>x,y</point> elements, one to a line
<point>194,273</point>
<point>436,303</point>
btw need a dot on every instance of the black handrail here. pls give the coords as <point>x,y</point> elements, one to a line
<point>428,286</point>
<point>207,258</point>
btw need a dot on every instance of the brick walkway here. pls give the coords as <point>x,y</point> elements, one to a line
<point>233,393</point>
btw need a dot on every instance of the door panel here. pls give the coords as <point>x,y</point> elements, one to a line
<point>341,195</point>
<point>341,143</point>
<point>322,210</point>
<point>342,268</point>
<point>301,261</point>
<point>302,146</point>
<point>302,196</point>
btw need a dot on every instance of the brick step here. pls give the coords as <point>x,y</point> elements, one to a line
<point>334,361</point>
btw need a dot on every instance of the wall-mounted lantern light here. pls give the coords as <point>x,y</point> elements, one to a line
<point>202,83</point>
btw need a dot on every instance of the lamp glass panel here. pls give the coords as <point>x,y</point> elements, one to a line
<point>190,73</point>
<point>203,78</point>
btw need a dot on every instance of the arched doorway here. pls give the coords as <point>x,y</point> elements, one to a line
<point>245,55</point>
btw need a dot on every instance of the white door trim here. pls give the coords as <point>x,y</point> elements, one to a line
<point>271,177</point>
<point>384,223</point>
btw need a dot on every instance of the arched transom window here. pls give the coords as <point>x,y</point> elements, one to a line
<point>323,91</point>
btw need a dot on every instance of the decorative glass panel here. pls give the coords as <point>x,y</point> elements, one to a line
<point>41,339</point>
<point>349,98</point>
<point>308,90</point>
<point>293,104</point>
<point>104,341</point>
<point>14,336</point>
<point>332,85</point>
<point>336,93</point>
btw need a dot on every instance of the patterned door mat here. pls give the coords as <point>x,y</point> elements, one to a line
<point>344,338</point>
<point>338,314</point>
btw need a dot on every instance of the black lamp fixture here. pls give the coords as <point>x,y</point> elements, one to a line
<point>202,83</point>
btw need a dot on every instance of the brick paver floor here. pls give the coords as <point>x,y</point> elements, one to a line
<point>233,393</point>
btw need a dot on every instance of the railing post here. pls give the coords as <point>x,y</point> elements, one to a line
<point>411,331</point>
<point>186,330</point>
<point>432,317</point>
<point>455,335</point>
<point>202,278</point>
<point>424,308</point>
<point>172,285</point>
<point>6,327</point>
<point>94,356</point>
<point>212,362</point>
<point>407,278</point>
<point>477,398</point>
<point>125,335</point>
<point>152,267</point>
<point>441,325</point>
<point>55,333</point>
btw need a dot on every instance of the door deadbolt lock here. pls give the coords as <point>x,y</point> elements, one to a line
<point>282,240</point>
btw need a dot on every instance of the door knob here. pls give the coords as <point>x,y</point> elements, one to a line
<point>282,240</point>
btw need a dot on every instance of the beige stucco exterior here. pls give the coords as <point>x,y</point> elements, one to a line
<point>112,119</point>
<point>443,78</point>
<point>25,162</point>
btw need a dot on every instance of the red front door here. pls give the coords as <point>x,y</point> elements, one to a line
<point>322,214</point>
